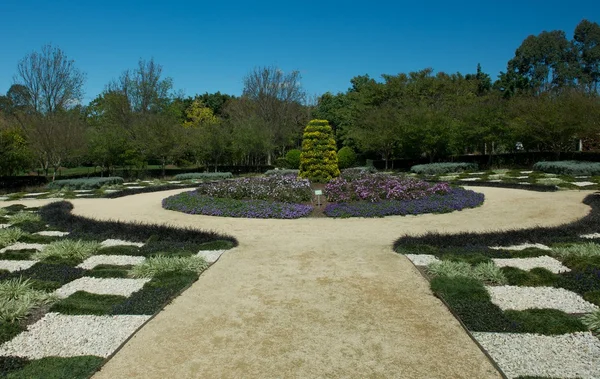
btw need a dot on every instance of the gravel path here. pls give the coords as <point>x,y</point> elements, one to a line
<point>549,263</point>
<point>117,260</point>
<point>422,259</point>
<point>521,298</point>
<point>102,286</point>
<point>522,246</point>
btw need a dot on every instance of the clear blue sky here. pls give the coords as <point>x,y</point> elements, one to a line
<point>209,46</point>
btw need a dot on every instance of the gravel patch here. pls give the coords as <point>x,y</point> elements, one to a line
<point>52,233</point>
<point>35,194</point>
<point>119,260</point>
<point>174,182</point>
<point>527,264</point>
<point>4,226</point>
<point>448,177</point>
<point>102,286</point>
<point>82,191</point>
<point>562,356</point>
<point>135,187</point>
<point>521,298</point>
<point>526,172</point>
<point>71,336</point>
<point>583,184</point>
<point>16,265</point>
<point>24,246</point>
<point>522,246</point>
<point>84,194</point>
<point>495,181</point>
<point>476,173</point>
<point>114,242</point>
<point>522,177</point>
<point>470,179</point>
<point>422,259</point>
<point>111,191</point>
<point>210,256</point>
<point>593,235</point>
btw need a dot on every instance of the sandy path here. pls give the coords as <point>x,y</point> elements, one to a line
<point>316,297</point>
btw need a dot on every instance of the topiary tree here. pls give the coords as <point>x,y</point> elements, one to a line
<point>292,159</point>
<point>318,160</point>
<point>346,157</point>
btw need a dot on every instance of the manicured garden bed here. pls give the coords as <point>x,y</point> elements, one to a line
<point>89,283</point>
<point>530,297</point>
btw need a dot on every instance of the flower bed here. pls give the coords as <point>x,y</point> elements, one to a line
<point>283,188</point>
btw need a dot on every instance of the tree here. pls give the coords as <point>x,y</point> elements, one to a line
<point>278,98</point>
<point>318,160</point>
<point>51,81</point>
<point>586,41</point>
<point>14,152</point>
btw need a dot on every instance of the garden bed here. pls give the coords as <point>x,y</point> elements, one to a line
<point>76,289</point>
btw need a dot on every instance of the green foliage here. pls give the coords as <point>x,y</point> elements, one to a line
<point>205,176</point>
<point>282,172</point>
<point>14,150</point>
<point>85,303</point>
<point>8,330</point>
<point>24,216</point>
<point>216,245</point>
<point>486,272</point>
<point>534,278</point>
<point>571,168</point>
<point>84,184</point>
<point>109,271</point>
<point>592,321</point>
<point>18,298</point>
<point>69,249</point>
<point>583,250</point>
<point>318,160</point>
<point>18,255</point>
<point>292,159</point>
<point>593,297</point>
<point>8,236</point>
<point>161,264</point>
<point>58,368</point>
<point>442,168</point>
<point>346,157</point>
<point>545,321</point>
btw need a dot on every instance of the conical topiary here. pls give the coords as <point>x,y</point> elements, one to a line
<point>318,160</point>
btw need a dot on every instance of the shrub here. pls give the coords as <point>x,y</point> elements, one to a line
<point>292,159</point>
<point>592,321</point>
<point>285,171</point>
<point>85,184</point>
<point>318,160</point>
<point>583,250</point>
<point>18,298</point>
<point>8,236</point>
<point>486,272</point>
<point>161,264</point>
<point>346,157</point>
<point>274,187</point>
<point>69,249</point>
<point>442,168</point>
<point>204,176</point>
<point>572,168</point>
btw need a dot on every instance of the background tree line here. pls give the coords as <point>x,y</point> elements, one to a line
<point>547,100</point>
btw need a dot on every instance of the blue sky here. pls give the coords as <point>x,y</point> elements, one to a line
<point>209,46</point>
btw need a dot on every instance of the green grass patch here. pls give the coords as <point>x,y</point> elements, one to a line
<point>36,238</point>
<point>216,245</point>
<point>545,321</point>
<point>8,330</point>
<point>592,321</point>
<point>534,278</point>
<point>586,249</point>
<point>69,250</point>
<point>109,271</point>
<point>592,297</point>
<point>204,176</point>
<point>581,263</point>
<point>18,298</point>
<point>18,255</point>
<point>120,250</point>
<point>14,208</point>
<point>161,264</point>
<point>84,303</point>
<point>31,226</point>
<point>472,259</point>
<point>9,236</point>
<point>23,216</point>
<point>486,272</point>
<point>58,368</point>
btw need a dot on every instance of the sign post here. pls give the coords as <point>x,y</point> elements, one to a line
<point>318,193</point>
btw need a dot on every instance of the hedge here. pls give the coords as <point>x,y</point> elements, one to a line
<point>573,168</point>
<point>205,176</point>
<point>442,168</point>
<point>87,184</point>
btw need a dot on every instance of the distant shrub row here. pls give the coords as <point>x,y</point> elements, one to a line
<point>442,168</point>
<point>573,168</point>
<point>84,184</point>
<point>283,171</point>
<point>205,176</point>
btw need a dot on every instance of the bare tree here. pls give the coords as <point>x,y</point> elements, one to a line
<point>278,97</point>
<point>51,79</point>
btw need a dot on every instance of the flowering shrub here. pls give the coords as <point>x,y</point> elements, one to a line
<point>285,188</point>
<point>361,186</point>
<point>454,200</point>
<point>195,203</point>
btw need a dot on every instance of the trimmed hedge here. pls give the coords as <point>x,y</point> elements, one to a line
<point>282,172</point>
<point>292,159</point>
<point>205,176</point>
<point>442,168</point>
<point>86,184</point>
<point>573,168</point>
<point>346,157</point>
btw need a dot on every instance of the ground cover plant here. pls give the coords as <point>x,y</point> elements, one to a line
<point>84,184</point>
<point>572,168</point>
<point>204,176</point>
<point>58,279</point>
<point>466,270</point>
<point>442,168</point>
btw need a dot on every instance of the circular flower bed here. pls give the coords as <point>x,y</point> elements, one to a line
<point>354,194</point>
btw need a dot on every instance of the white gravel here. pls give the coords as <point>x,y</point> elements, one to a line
<point>560,356</point>
<point>84,195</point>
<point>119,260</point>
<point>448,177</point>
<point>521,298</point>
<point>52,233</point>
<point>544,261</point>
<point>2,198</point>
<point>522,177</point>
<point>526,172</point>
<point>16,265</point>
<point>593,235</point>
<point>24,246</point>
<point>102,286</point>
<point>583,184</point>
<point>3,226</point>
<point>111,191</point>
<point>113,242</point>
<point>82,191</point>
<point>470,179</point>
<point>174,182</point>
<point>210,256</point>
<point>422,259</point>
<point>522,246</point>
<point>71,336</point>
<point>35,194</point>
<point>135,187</point>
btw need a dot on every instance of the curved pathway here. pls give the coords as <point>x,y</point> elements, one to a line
<point>316,298</point>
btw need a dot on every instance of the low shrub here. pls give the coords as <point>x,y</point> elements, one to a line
<point>356,172</point>
<point>282,171</point>
<point>161,264</point>
<point>346,157</point>
<point>69,249</point>
<point>204,176</point>
<point>442,168</point>
<point>292,158</point>
<point>592,321</point>
<point>84,184</point>
<point>289,189</point>
<point>9,236</point>
<point>572,168</point>
<point>194,203</point>
<point>18,298</point>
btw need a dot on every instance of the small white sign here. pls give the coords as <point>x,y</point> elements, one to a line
<point>318,192</point>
